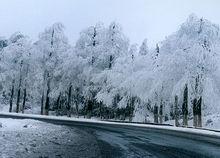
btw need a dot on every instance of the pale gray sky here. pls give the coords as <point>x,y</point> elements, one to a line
<point>151,19</point>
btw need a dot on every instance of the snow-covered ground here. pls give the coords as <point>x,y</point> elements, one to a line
<point>3,108</point>
<point>30,138</point>
<point>208,122</point>
<point>212,121</point>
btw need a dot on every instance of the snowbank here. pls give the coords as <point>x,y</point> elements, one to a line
<point>9,124</point>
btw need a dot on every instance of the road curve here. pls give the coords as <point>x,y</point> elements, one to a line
<point>129,141</point>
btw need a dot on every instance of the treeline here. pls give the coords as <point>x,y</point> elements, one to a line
<point>103,75</point>
<point>53,74</point>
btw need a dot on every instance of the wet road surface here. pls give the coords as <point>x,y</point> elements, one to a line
<point>79,140</point>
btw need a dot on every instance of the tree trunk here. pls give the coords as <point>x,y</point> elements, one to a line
<point>18,100</point>
<point>131,108</point>
<point>12,95</point>
<point>42,104</point>
<point>195,116</point>
<point>19,90</point>
<point>47,103</point>
<point>24,100</point>
<point>25,89</point>
<point>89,108</point>
<point>110,61</point>
<point>161,112</point>
<point>77,110</point>
<point>85,108</point>
<point>77,101</point>
<point>18,96</point>
<point>185,106</point>
<point>176,113</point>
<point>69,101</point>
<point>185,120</point>
<point>43,97</point>
<point>199,112</point>
<point>58,105</point>
<point>155,113</point>
<point>100,110</point>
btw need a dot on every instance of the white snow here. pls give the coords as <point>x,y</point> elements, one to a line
<point>211,122</point>
<point>27,138</point>
<point>14,125</point>
<point>8,124</point>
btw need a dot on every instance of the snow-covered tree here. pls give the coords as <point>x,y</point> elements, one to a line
<point>103,75</point>
<point>144,50</point>
<point>15,64</point>
<point>51,45</point>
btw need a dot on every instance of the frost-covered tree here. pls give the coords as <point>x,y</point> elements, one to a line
<point>144,50</point>
<point>190,60</point>
<point>104,76</point>
<point>15,64</point>
<point>117,42</point>
<point>3,43</point>
<point>51,45</point>
<point>105,45</point>
<point>133,51</point>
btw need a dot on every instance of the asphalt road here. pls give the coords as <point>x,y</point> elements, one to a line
<point>112,141</point>
<point>122,141</point>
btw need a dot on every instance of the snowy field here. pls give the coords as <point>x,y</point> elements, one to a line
<point>30,138</point>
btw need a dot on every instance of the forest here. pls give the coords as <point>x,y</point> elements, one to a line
<point>103,75</point>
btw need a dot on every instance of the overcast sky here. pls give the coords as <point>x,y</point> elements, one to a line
<point>151,19</point>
